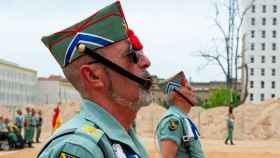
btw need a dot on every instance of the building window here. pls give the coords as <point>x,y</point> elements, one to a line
<point>263,33</point>
<point>273,46</point>
<point>262,84</point>
<point>274,34</point>
<point>251,84</point>
<point>262,97</point>
<point>272,95</point>
<point>263,21</point>
<point>252,33</point>
<point>252,47</point>
<point>273,59</point>
<point>252,71</point>
<point>274,8</point>
<point>263,59</point>
<point>252,59</point>
<point>273,72</point>
<point>253,21</point>
<point>264,8</point>
<point>253,8</point>
<point>262,71</point>
<point>274,21</point>
<point>273,84</point>
<point>263,46</point>
<point>251,97</point>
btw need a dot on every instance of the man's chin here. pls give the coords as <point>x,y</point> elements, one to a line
<point>145,99</point>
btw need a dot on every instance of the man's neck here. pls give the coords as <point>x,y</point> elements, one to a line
<point>182,106</point>
<point>121,113</point>
<point>124,115</point>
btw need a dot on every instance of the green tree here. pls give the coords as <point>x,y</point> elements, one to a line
<point>222,96</point>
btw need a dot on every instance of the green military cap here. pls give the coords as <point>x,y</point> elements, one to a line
<point>172,83</point>
<point>103,28</point>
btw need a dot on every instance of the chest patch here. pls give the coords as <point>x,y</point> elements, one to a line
<point>66,155</point>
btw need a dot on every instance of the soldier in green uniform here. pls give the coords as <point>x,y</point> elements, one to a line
<point>105,62</point>
<point>19,121</point>
<point>39,122</point>
<point>2,124</point>
<point>27,127</point>
<point>177,135</point>
<point>33,123</point>
<point>230,126</point>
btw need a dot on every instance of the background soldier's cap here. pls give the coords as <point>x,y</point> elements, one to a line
<point>168,85</point>
<point>172,83</point>
<point>104,28</point>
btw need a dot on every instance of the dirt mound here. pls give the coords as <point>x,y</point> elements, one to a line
<point>253,121</point>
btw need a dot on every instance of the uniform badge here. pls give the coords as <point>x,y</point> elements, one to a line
<point>173,124</point>
<point>66,155</point>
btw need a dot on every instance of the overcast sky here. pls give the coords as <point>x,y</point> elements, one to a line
<point>172,31</point>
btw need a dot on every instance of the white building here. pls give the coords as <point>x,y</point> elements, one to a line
<point>17,84</point>
<point>54,89</point>
<point>262,43</point>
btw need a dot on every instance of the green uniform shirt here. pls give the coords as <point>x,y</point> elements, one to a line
<point>100,125</point>
<point>2,126</point>
<point>174,125</point>
<point>230,123</point>
<point>28,118</point>
<point>33,121</point>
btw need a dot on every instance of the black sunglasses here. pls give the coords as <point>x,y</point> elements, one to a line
<point>146,83</point>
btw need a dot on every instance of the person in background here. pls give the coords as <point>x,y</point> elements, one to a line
<point>12,131</point>
<point>39,123</point>
<point>19,120</point>
<point>230,126</point>
<point>27,127</point>
<point>33,124</point>
<point>177,134</point>
<point>2,124</point>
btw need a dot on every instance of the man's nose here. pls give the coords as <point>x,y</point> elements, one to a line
<point>144,62</point>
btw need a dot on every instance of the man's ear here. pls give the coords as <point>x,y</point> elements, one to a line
<point>91,77</point>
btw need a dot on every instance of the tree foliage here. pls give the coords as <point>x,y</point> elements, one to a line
<point>221,96</point>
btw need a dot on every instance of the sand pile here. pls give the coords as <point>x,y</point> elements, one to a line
<point>253,121</point>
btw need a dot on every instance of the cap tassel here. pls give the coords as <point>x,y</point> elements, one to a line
<point>137,45</point>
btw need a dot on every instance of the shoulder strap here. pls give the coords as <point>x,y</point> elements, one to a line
<point>90,132</point>
<point>166,115</point>
<point>99,137</point>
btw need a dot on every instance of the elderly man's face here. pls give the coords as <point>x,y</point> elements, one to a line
<point>124,90</point>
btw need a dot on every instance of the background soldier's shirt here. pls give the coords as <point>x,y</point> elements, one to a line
<point>20,121</point>
<point>171,127</point>
<point>230,123</point>
<point>95,121</point>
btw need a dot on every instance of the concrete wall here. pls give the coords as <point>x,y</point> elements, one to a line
<point>254,38</point>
